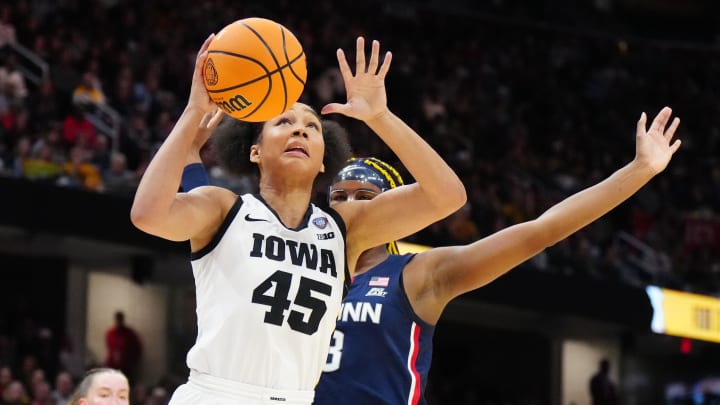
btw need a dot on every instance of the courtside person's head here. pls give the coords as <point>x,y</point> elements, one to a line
<point>295,146</point>
<point>102,386</point>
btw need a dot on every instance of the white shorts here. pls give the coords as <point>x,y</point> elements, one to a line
<point>204,389</point>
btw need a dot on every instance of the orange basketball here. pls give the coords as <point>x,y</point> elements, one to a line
<point>255,69</point>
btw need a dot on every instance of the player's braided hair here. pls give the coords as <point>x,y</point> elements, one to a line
<point>390,179</point>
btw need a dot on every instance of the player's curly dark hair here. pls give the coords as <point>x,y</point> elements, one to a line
<point>232,140</point>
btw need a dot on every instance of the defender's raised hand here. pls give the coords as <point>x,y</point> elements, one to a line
<point>366,96</point>
<point>653,146</point>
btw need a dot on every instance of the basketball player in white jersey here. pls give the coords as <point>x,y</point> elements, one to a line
<point>269,267</point>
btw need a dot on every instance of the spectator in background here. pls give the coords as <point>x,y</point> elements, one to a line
<point>22,152</point>
<point>12,80</point>
<point>70,358</point>
<point>602,388</point>
<point>79,172</point>
<point>102,386</point>
<point>88,92</point>
<point>37,377</point>
<point>6,378</point>
<point>64,387</point>
<point>100,153</point>
<point>117,178</point>
<point>42,394</point>
<point>7,29</point>
<point>124,348</point>
<point>39,165</point>
<point>77,129</point>
<point>15,394</point>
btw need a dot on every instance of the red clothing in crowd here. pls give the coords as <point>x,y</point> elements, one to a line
<point>124,348</point>
<point>79,131</point>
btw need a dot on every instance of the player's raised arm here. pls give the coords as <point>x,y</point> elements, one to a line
<point>157,208</point>
<point>455,270</point>
<point>437,192</point>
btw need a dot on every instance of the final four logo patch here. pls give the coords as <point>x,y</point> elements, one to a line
<point>320,222</point>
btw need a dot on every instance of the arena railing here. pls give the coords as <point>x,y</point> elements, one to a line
<point>33,67</point>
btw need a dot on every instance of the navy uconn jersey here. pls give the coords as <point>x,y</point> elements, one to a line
<point>268,296</point>
<point>381,351</point>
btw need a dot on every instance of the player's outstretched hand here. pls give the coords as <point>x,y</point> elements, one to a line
<point>654,147</point>
<point>366,96</point>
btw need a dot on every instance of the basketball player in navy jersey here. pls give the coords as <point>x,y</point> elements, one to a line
<point>382,346</point>
<point>269,267</point>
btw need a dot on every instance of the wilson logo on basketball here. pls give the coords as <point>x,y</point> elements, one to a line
<point>234,104</point>
<point>211,74</point>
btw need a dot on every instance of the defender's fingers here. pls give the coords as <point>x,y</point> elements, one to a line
<point>374,56</point>
<point>640,130</point>
<point>343,65</point>
<point>675,146</point>
<point>661,120</point>
<point>385,67</point>
<point>670,132</point>
<point>360,56</point>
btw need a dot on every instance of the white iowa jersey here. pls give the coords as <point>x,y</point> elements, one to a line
<point>268,296</point>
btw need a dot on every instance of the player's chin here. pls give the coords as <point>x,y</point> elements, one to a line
<point>300,164</point>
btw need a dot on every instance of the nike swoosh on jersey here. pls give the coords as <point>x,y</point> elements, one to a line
<point>249,219</point>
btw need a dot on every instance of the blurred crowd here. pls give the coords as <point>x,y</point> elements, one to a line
<point>525,110</point>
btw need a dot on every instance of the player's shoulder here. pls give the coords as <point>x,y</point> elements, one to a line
<point>348,212</point>
<point>212,191</point>
<point>211,196</point>
<point>431,257</point>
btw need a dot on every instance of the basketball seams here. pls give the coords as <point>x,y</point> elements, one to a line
<point>267,74</point>
<point>290,66</point>
<point>289,63</point>
<point>282,76</point>
<point>274,58</point>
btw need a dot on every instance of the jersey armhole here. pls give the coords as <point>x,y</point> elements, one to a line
<point>406,299</point>
<point>221,231</point>
<point>341,223</point>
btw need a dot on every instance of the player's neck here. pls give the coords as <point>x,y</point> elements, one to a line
<point>371,258</point>
<point>290,205</point>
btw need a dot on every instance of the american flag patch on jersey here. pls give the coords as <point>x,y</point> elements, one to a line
<point>379,281</point>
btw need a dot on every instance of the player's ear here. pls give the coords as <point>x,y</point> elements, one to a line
<point>254,154</point>
<point>322,168</point>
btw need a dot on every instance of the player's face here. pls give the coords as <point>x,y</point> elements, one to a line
<point>352,190</point>
<point>108,389</point>
<point>294,137</point>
